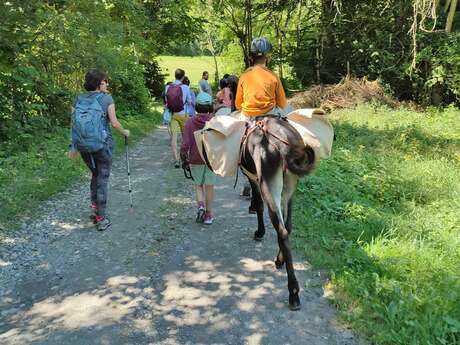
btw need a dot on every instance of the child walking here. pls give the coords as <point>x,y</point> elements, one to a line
<point>203,177</point>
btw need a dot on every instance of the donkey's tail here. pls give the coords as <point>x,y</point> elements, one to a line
<point>300,159</point>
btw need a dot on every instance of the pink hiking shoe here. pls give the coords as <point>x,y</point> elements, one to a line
<point>208,219</point>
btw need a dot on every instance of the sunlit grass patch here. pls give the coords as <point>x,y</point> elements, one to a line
<point>383,215</point>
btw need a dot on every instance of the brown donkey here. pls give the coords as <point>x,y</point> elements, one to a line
<point>274,156</point>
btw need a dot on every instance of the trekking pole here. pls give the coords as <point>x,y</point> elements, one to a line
<point>129,172</point>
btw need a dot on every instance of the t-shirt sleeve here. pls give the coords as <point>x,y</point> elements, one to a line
<point>106,101</point>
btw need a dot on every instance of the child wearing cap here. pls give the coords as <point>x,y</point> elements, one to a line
<point>204,178</point>
<point>260,91</point>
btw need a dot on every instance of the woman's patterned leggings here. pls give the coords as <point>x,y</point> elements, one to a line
<point>99,163</point>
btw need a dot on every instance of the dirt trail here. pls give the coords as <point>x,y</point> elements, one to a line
<point>155,277</point>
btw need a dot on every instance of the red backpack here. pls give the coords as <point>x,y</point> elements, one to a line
<point>174,98</point>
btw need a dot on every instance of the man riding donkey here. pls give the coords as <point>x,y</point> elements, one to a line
<point>275,150</point>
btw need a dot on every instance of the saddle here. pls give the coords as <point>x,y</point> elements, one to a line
<point>220,141</point>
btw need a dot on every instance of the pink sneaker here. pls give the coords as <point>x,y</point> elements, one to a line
<point>208,219</point>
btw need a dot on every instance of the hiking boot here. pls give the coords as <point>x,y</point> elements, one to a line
<point>102,223</point>
<point>200,215</point>
<point>208,219</point>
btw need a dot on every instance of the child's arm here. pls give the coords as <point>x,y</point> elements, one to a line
<point>280,95</point>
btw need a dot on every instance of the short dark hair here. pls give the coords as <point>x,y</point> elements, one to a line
<point>204,108</point>
<point>179,74</point>
<point>186,81</point>
<point>226,75</point>
<point>93,79</point>
<point>205,72</point>
<point>223,83</point>
<point>258,58</point>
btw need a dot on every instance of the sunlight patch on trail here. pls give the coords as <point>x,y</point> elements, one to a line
<point>101,307</point>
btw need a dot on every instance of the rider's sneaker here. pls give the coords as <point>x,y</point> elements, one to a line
<point>208,219</point>
<point>177,164</point>
<point>200,215</point>
<point>102,223</point>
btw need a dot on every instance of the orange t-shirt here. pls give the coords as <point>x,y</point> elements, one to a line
<point>259,91</point>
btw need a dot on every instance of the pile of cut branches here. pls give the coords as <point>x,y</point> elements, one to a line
<point>346,94</point>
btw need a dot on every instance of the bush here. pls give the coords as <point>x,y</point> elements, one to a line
<point>154,79</point>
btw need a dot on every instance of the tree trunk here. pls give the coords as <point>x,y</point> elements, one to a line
<point>280,63</point>
<point>248,30</point>
<point>213,53</point>
<point>446,6</point>
<point>451,15</point>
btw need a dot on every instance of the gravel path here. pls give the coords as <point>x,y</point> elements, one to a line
<point>155,277</point>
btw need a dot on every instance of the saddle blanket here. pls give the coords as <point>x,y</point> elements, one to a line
<point>220,139</point>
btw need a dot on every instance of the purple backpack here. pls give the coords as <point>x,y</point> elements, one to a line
<point>174,98</point>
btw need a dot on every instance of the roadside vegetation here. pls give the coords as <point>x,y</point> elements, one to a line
<point>382,215</point>
<point>27,178</point>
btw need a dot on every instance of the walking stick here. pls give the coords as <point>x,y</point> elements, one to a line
<point>129,172</point>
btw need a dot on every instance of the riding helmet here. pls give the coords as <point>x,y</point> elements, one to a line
<point>260,46</point>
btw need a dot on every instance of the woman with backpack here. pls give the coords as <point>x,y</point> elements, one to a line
<point>91,135</point>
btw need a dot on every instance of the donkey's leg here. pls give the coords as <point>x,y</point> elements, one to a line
<point>289,187</point>
<point>258,205</point>
<point>271,188</point>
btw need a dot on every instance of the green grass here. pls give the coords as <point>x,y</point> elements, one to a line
<point>194,67</point>
<point>28,178</point>
<point>383,214</point>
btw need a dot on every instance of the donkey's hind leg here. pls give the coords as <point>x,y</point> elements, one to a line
<point>289,187</point>
<point>258,205</point>
<point>272,188</point>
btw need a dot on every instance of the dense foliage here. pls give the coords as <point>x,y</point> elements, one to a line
<point>47,46</point>
<point>382,214</point>
<point>412,46</point>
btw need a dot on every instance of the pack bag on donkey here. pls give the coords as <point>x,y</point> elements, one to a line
<point>174,98</point>
<point>89,124</point>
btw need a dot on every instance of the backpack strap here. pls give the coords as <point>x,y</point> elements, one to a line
<point>99,97</point>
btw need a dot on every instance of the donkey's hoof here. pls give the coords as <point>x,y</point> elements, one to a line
<point>279,264</point>
<point>294,302</point>
<point>258,237</point>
